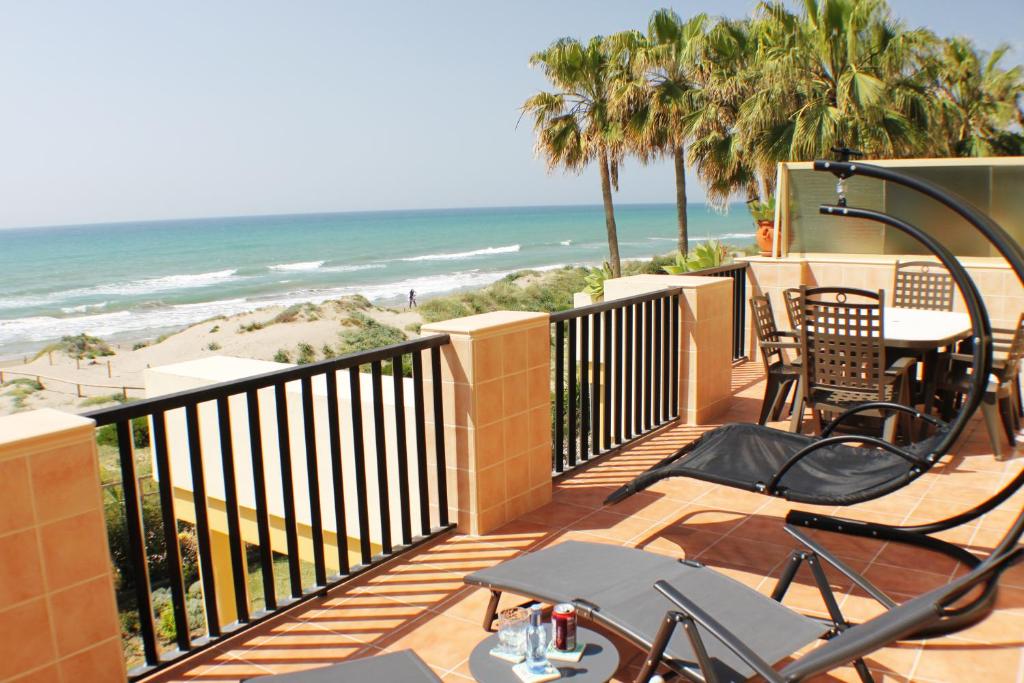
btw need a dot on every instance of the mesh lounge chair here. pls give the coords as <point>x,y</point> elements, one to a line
<point>403,665</point>
<point>730,631</point>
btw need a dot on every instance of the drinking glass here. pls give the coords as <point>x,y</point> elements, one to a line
<point>512,624</point>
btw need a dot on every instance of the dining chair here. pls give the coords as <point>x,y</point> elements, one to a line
<point>843,356</point>
<point>1002,400</point>
<point>924,285</point>
<point>792,298</point>
<point>780,373</point>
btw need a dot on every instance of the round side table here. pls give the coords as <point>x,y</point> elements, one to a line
<point>599,662</point>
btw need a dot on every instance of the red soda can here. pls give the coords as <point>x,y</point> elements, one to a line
<point>564,625</point>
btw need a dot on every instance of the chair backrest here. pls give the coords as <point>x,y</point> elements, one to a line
<point>842,339</point>
<point>923,284</point>
<point>766,329</point>
<point>792,298</point>
<point>1012,342</point>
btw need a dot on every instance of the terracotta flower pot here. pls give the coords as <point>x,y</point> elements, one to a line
<point>765,236</point>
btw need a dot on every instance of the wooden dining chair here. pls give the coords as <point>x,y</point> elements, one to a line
<point>781,374</point>
<point>1002,400</point>
<point>924,285</point>
<point>843,356</point>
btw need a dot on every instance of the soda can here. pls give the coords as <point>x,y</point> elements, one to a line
<point>563,619</point>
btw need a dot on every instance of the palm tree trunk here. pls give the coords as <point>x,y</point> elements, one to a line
<point>609,217</point>
<point>679,156</point>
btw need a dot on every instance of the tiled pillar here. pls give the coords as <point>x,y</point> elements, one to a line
<point>58,616</point>
<point>496,376</point>
<point>705,342</point>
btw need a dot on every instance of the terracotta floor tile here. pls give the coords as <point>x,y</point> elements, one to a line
<point>440,640</point>
<point>557,515</point>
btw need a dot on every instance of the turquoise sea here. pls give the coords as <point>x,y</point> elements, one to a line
<point>135,280</point>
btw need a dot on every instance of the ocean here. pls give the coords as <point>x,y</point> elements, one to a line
<point>137,280</point>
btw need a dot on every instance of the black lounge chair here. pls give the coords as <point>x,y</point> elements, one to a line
<point>730,632</point>
<point>404,666</point>
<point>843,470</point>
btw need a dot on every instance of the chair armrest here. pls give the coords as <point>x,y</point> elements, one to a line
<point>962,357</point>
<point>720,632</point>
<point>901,366</point>
<point>788,333</point>
<point>779,345</point>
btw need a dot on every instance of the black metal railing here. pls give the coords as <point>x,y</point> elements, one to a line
<point>738,273</point>
<point>616,370</point>
<point>307,473</point>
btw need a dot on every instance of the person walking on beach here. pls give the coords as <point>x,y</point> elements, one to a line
<point>412,298</point>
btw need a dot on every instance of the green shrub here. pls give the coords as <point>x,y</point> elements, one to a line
<point>107,434</point>
<point>366,333</point>
<point>305,353</point>
<point>287,315</point>
<point>215,328</point>
<point>213,346</point>
<point>414,327</point>
<point>80,346</point>
<point>101,400</point>
<point>139,345</point>
<point>356,302</point>
<point>328,352</point>
<point>282,356</point>
<point>251,327</point>
<point>117,536</point>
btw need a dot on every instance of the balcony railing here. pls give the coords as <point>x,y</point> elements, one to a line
<point>616,366</point>
<point>738,273</point>
<point>224,462</point>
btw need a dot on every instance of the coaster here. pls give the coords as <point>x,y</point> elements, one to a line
<point>573,655</point>
<point>505,656</point>
<point>550,674</point>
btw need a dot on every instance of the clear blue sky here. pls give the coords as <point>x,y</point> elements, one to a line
<point>124,110</point>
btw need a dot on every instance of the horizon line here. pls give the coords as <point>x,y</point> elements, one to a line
<point>334,213</point>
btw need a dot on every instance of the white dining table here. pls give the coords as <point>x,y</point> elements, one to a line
<point>912,328</point>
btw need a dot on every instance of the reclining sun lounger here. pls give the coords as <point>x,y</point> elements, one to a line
<point>404,666</point>
<point>730,632</point>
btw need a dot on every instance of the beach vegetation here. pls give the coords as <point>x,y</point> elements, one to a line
<point>327,352</point>
<point>250,327</point>
<point>414,328</point>
<point>81,346</point>
<point>213,346</point>
<point>102,400</point>
<point>282,356</point>
<point>163,337</point>
<point>363,333</point>
<point>20,389</point>
<point>304,353</point>
<point>215,329</point>
<point>355,302</point>
<point>139,345</point>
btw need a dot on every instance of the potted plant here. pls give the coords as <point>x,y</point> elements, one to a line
<point>764,218</point>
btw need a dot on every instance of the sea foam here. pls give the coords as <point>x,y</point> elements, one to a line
<point>455,256</point>
<point>300,265</point>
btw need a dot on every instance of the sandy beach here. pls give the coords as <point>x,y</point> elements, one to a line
<point>78,385</point>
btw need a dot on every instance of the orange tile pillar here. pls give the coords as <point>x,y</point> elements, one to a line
<point>58,616</point>
<point>496,384</point>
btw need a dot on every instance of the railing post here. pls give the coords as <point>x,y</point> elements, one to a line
<point>58,615</point>
<point>496,385</point>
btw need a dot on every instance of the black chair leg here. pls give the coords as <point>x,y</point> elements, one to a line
<point>780,401</point>
<point>1006,413</point>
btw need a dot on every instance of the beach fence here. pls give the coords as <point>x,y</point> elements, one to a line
<point>79,389</point>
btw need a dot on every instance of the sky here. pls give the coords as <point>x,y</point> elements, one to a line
<point>124,110</point>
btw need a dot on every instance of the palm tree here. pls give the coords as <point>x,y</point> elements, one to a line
<point>727,77</point>
<point>978,100</point>
<point>842,72</point>
<point>579,122</point>
<point>669,60</point>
